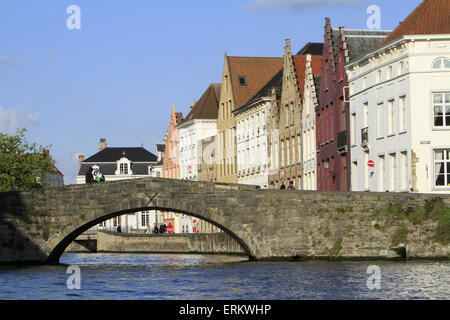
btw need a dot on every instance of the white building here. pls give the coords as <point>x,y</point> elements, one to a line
<point>310,102</point>
<point>120,164</point>
<point>400,107</point>
<point>252,135</point>
<point>199,124</point>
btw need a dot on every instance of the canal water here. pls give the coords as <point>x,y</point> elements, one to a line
<point>206,277</point>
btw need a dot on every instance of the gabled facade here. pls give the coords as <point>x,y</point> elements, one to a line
<point>241,80</point>
<point>400,107</point>
<point>171,165</point>
<point>308,122</point>
<point>332,115</point>
<point>290,117</point>
<point>252,121</point>
<point>199,124</point>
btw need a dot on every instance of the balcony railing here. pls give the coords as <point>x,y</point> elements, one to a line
<point>364,136</point>
<point>342,140</point>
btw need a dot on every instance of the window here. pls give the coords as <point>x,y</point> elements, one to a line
<point>401,67</point>
<point>404,171</point>
<point>366,171</point>
<point>144,218</point>
<point>402,111</point>
<point>379,76</point>
<point>287,115</point>
<point>380,120</point>
<point>389,73</point>
<point>393,172</point>
<point>353,129</point>
<point>288,159</point>
<point>441,63</point>
<point>364,83</point>
<point>366,115</point>
<point>442,168</point>
<point>381,174</point>
<point>441,107</point>
<point>391,118</point>
<point>124,168</point>
<point>242,81</point>
<point>354,175</point>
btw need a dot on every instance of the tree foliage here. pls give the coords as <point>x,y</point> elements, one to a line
<point>23,165</point>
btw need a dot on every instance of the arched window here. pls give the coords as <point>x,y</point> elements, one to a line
<point>379,76</point>
<point>401,67</point>
<point>389,73</point>
<point>441,63</point>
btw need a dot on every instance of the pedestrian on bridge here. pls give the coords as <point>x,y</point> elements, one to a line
<point>90,175</point>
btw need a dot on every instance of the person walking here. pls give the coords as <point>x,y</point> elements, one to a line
<point>291,186</point>
<point>155,229</point>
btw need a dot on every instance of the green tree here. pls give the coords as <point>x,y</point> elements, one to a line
<point>23,166</point>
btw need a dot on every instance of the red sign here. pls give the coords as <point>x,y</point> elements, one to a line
<point>370,163</point>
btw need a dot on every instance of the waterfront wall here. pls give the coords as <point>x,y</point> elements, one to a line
<point>108,241</point>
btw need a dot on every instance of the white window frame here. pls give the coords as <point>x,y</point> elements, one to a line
<point>444,104</point>
<point>445,161</point>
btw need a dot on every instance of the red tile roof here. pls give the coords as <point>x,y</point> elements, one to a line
<point>257,71</point>
<point>208,105</point>
<point>430,17</point>
<point>300,69</point>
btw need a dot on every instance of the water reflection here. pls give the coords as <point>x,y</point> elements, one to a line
<point>145,276</point>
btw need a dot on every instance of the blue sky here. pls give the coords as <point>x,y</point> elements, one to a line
<point>118,76</point>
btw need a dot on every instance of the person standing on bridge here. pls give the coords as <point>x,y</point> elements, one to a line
<point>170,228</point>
<point>155,229</point>
<point>283,187</point>
<point>99,177</point>
<point>89,175</point>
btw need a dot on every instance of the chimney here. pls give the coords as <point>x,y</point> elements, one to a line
<point>102,144</point>
<point>142,145</point>
<point>80,160</point>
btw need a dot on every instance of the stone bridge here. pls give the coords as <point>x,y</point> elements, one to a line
<point>37,226</point>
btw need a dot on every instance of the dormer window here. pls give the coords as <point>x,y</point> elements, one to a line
<point>242,81</point>
<point>123,167</point>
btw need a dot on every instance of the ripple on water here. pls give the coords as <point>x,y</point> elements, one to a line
<point>146,276</point>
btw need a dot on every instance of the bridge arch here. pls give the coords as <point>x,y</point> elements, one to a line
<point>59,249</point>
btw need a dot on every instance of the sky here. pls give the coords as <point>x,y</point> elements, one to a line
<point>118,74</point>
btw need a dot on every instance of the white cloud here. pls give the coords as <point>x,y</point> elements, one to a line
<point>11,120</point>
<point>69,167</point>
<point>297,4</point>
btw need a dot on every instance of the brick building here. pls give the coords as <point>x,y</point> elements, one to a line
<point>332,116</point>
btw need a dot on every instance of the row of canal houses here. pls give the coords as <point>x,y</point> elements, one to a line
<point>366,110</point>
